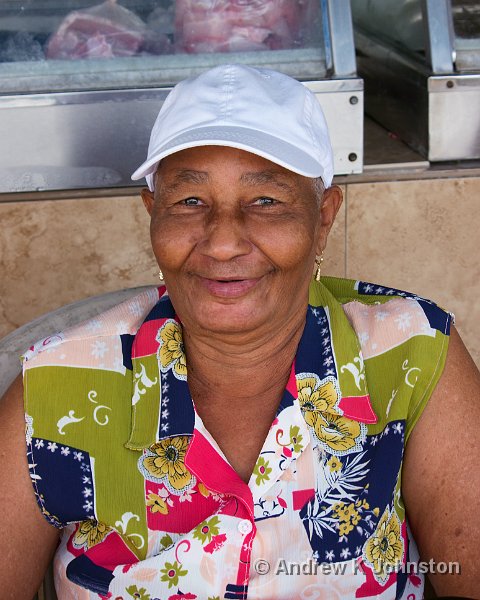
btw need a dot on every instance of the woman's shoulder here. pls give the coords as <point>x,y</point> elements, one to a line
<point>403,339</point>
<point>376,306</point>
<point>92,335</point>
<point>347,290</point>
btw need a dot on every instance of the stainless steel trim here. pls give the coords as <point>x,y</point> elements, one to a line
<point>74,140</point>
<point>336,85</point>
<point>341,37</point>
<point>438,27</point>
<point>454,119</point>
<point>451,84</point>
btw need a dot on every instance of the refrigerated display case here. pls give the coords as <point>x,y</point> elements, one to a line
<point>420,60</point>
<point>81,82</point>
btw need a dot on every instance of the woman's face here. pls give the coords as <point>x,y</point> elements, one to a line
<point>235,236</point>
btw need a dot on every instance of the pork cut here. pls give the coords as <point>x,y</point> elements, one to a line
<point>103,31</point>
<point>239,25</point>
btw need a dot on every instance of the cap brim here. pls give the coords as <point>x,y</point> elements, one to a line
<point>257,142</point>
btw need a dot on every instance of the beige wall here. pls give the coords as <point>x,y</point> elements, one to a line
<point>422,236</point>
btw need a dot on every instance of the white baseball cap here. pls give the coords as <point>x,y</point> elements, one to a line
<point>257,110</point>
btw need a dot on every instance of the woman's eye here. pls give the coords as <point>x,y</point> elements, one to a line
<point>265,201</point>
<point>191,202</point>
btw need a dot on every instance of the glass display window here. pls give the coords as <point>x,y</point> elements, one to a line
<point>47,45</point>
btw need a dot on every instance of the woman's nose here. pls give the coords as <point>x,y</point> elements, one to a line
<point>225,236</point>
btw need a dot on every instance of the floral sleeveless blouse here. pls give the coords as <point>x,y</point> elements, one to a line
<point>150,508</point>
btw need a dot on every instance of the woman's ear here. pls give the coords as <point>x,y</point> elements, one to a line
<point>331,201</point>
<point>148,200</point>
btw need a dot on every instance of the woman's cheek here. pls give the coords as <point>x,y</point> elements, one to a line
<point>289,247</point>
<point>172,246</point>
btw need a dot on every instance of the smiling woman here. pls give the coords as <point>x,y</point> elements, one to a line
<point>257,414</point>
<point>254,229</point>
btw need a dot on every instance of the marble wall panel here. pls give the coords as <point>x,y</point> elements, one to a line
<point>422,236</point>
<point>55,252</point>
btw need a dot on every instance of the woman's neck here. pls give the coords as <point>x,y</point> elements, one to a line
<point>237,384</point>
<point>242,368</point>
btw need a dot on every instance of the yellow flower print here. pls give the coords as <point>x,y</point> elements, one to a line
<point>334,464</point>
<point>90,533</point>
<point>314,400</point>
<point>166,460</point>
<point>348,516</point>
<point>338,433</point>
<point>262,470</point>
<point>344,529</point>
<point>171,350</point>
<point>384,550</point>
<point>203,490</point>
<point>157,504</point>
<point>363,504</point>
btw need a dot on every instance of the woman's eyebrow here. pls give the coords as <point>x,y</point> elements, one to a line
<point>190,176</point>
<point>262,177</point>
<point>183,176</point>
<point>251,178</point>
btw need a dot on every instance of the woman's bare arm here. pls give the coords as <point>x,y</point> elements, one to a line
<point>27,541</point>
<point>441,475</point>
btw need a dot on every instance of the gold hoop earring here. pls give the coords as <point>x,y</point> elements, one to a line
<point>160,275</point>
<point>318,262</point>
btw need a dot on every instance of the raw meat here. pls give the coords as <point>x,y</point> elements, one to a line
<point>238,25</point>
<point>103,31</point>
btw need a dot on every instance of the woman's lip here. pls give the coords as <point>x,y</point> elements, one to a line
<point>229,288</point>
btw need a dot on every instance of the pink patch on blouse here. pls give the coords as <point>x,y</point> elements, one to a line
<point>301,497</point>
<point>358,408</point>
<point>111,552</point>
<point>389,325</point>
<point>177,520</point>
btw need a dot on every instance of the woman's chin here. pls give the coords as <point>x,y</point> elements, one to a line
<point>229,319</point>
<point>228,316</point>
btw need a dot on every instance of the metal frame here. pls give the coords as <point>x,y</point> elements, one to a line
<point>435,114</point>
<point>341,38</point>
<point>439,37</point>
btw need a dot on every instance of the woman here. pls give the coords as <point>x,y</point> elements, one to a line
<point>278,470</point>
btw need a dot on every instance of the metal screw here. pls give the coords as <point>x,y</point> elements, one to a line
<point>450,83</point>
<point>353,100</point>
<point>352,157</point>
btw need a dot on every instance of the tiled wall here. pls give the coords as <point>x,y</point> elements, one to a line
<point>417,235</point>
